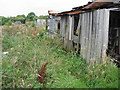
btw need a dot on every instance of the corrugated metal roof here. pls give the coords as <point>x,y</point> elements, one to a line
<point>90,6</point>
<point>95,5</point>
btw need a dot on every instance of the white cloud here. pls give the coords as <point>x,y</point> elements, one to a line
<point>40,7</point>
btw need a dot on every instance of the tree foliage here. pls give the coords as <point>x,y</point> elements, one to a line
<point>5,20</point>
<point>31,16</point>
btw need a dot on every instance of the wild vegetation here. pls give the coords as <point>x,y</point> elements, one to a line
<point>36,61</point>
<point>30,17</point>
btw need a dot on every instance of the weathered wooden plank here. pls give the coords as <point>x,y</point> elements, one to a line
<point>105,32</point>
<point>63,26</point>
<point>82,34</point>
<point>97,36</point>
<point>93,39</point>
<point>89,36</point>
<point>70,32</point>
<point>100,34</point>
<point>65,33</point>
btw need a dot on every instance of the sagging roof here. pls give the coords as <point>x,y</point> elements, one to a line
<point>98,4</point>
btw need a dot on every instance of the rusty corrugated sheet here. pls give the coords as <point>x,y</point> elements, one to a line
<point>95,5</point>
<point>89,6</point>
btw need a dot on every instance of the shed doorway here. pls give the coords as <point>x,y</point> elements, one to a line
<point>114,35</point>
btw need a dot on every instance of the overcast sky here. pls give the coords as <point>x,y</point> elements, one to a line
<point>40,7</point>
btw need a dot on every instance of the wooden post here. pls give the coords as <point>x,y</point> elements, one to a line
<point>119,40</point>
<point>46,23</point>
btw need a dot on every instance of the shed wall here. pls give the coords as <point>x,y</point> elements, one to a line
<point>93,30</point>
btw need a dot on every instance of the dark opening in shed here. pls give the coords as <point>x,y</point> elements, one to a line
<point>76,20</point>
<point>114,35</point>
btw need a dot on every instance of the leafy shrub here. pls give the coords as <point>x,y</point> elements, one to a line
<point>8,23</point>
<point>33,24</point>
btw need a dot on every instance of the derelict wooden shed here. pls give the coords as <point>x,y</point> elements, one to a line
<point>95,27</point>
<point>54,23</point>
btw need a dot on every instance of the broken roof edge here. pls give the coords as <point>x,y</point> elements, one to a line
<point>89,6</point>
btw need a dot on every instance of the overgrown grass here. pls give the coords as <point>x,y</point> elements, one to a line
<point>29,51</point>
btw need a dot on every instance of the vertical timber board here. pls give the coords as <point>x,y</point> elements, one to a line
<point>93,40</point>
<point>72,32</point>
<point>97,36</point>
<point>84,36</point>
<point>78,28</point>
<point>89,35</point>
<point>67,32</point>
<point>105,32</point>
<point>100,34</point>
<point>61,26</point>
<point>82,32</point>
